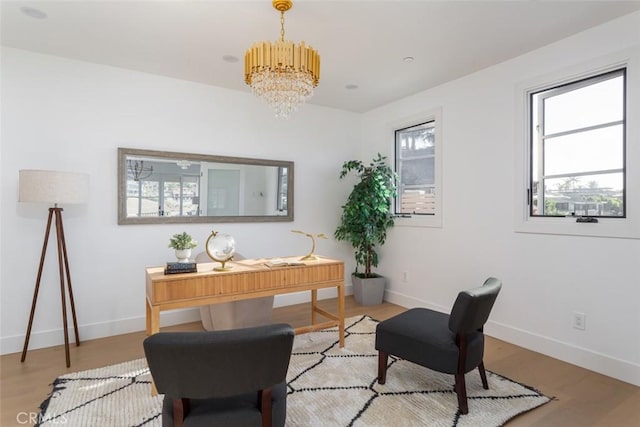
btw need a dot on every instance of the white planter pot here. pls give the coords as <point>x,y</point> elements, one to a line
<point>368,291</point>
<point>183,255</point>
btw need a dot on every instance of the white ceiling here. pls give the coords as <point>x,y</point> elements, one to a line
<point>360,42</point>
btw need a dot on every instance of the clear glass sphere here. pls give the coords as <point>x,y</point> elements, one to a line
<point>221,247</point>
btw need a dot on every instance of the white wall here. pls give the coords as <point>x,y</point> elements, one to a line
<point>546,277</point>
<point>68,115</point>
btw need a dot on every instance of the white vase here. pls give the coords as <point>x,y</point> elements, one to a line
<point>183,255</point>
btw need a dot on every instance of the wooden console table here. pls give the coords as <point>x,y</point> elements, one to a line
<point>251,278</point>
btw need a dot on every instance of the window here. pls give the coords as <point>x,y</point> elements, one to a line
<point>417,142</point>
<point>415,166</point>
<point>577,148</point>
<point>283,178</point>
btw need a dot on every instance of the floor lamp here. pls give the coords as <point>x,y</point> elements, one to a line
<point>52,187</point>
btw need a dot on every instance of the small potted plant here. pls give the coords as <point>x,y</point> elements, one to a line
<point>182,243</point>
<point>366,216</point>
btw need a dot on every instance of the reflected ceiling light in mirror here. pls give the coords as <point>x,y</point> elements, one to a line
<point>184,164</point>
<point>282,73</point>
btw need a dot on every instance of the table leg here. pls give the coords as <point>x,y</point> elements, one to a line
<point>153,319</point>
<point>153,327</point>
<point>314,305</point>
<point>341,313</point>
<point>148,314</point>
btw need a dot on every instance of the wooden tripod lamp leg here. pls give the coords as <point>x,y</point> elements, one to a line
<point>66,266</point>
<point>37,288</point>
<point>62,260</point>
<point>62,290</point>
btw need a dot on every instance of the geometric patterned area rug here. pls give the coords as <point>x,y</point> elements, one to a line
<point>328,386</point>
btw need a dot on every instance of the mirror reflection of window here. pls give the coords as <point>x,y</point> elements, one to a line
<point>143,198</point>
<point>283,177</point>
<point>181,195</point>
<point>171,196</point>
<point>190,196</point>
<point>158,187</point>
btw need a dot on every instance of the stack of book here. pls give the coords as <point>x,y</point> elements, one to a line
<point>181,267</point>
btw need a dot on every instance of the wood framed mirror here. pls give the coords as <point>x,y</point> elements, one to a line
<point>162,187</point>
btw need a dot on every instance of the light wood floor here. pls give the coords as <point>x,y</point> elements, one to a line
<point>583,398</point>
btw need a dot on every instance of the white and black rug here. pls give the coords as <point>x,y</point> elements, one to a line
<point>328,386</point>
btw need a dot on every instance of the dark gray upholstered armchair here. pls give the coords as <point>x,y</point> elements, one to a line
<point>452,344</point>
<point>222,378</point>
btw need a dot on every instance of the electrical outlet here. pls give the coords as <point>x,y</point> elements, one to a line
<point>579,320</point>
<point>405,277</point>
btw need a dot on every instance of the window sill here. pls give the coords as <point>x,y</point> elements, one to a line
<point>427,221</point>
<point>605,227</point>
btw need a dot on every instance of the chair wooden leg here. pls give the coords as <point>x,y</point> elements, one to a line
<point>461,388</point>
<point>264,400</point>
<point>483,376</point>
<point>180,410</point>
<point>461,391</point>
<point>383,358</point>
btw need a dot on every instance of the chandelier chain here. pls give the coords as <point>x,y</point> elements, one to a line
<point>282,25</point>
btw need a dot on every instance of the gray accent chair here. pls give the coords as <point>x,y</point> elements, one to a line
<point>450,343</point>
<point>235,314</point>
<point>222,378</point>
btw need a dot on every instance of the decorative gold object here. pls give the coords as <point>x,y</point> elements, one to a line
<point>221,248</point>
<point>282,73</point>
<point>310,256</point>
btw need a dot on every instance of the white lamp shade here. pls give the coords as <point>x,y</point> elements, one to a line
<point>42,186</point>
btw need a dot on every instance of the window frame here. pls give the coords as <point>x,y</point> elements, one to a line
<point>422,220</point>
<point>556,90</point>
<point>398,168</point>
<point>615,227</point>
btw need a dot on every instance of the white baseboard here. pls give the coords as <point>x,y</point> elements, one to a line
<point>54,337</point>
<point>622,370</point>
<point>411,302</point>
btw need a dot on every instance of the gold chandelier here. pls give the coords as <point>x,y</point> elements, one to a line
<point>282,73</point>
